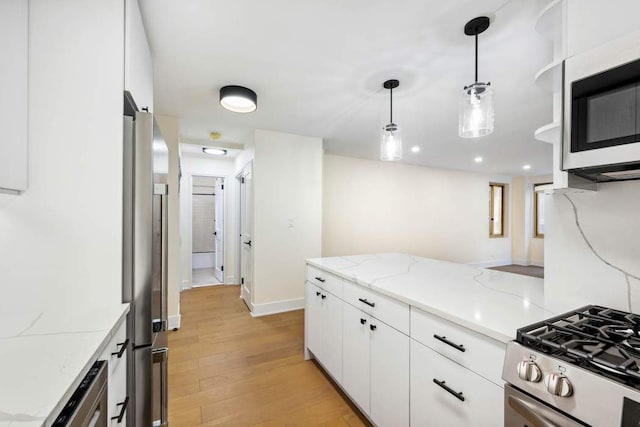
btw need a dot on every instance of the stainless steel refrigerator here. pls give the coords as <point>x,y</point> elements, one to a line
<point>145,265</point>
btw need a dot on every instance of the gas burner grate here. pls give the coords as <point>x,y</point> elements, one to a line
<point>601,339</point>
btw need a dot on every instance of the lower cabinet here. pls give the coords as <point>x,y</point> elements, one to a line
<point>323,323</point>
<point>116,356</point>
<point>444,393</point>
<point>375,360</point>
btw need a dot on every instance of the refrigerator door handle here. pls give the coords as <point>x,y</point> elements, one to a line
<point>165,258</point>
<point>161,355</point>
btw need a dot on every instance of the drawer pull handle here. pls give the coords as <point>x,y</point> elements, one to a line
<point>363,321</point>
<point>370,304</point>
<point>449,389</point>
<point>320,279</point>
<point>123,408</point>
<point>317,294</point>
<point>123,346</point>
<point>373,327</point>
<point>458,347</point>
<point>323,296</point>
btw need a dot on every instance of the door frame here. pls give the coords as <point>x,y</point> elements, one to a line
<point>247,298</point>
<point>190,222</point>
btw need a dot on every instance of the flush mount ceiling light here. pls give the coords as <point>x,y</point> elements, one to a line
<point>214,151</point>
<point>415,149</point>
<point>391,140</point>
<point>476,100</point>
<point>478,159</point>
<point>526,167</point>
<point>238,99</point>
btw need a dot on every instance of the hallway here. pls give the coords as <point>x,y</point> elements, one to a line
<point>228,368</point>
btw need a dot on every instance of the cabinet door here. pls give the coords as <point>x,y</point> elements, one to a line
<point>332,334</point>
<point>389,375</point>
<point>14,45</point>
<point>355,355</point>
<point>433,404</point>
<point>313,320</point>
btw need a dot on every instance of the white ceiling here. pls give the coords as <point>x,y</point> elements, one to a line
<point>318,68</point>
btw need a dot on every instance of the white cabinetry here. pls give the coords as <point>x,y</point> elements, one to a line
<point>355,355</point>
<point>323,322</point>
<point>444,393</point>
<point>389,375</point>
<point>138,64</point>
<point>14,45</point>
<point>116,356</point>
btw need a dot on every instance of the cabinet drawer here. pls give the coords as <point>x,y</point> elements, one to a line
<point>393,313</point>
<point>325,280</point>
<point>435,384</point>
<point>481,354</point>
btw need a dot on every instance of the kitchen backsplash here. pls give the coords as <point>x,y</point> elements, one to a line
<point>592,246</point>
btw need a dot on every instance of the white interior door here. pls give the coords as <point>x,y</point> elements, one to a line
<point>219,230</point>
<point>246,234</point>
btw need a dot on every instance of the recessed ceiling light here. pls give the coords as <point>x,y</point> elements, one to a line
<point>478,159</point>
<point>214,151</point>
<point>415,149</point>
<point>238,99</point>
<point>526,167</point>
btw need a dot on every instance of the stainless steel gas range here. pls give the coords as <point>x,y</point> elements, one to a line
<point>580,368</point>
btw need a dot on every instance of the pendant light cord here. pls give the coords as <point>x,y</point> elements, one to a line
<point>476,57</point>
<point>391,110</point>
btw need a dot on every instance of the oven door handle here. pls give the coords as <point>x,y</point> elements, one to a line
<point>528,411</point>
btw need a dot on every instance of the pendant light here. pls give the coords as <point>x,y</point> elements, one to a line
<point>391,140</point>
<point>238,99</point>
<point>476,100</point>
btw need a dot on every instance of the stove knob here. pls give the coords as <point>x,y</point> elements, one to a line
<point>529,371</point>
<point>558,385</point>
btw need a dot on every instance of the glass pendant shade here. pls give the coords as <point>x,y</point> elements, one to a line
<point>476,111</point>
<point>391,143</point>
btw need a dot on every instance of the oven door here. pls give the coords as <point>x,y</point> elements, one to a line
<point>521,410</point>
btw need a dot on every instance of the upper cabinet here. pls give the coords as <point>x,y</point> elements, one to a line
<point>14,47</point>
<point>138,67</point>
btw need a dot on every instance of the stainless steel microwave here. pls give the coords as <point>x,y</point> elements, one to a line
<point>601,111</point>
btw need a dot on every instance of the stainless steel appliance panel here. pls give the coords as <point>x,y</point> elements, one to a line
<point>521,410</point>
<point>160,242</point>
<point>143,231</point>
<point>88,406</point>
<point>143,386</point>
<point>160,354</point>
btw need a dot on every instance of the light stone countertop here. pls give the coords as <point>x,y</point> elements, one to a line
<point>493,303</point>
<point>45,355</point>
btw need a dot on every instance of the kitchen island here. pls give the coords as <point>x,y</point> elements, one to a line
<point>417,341</point>
<point>44,356</point>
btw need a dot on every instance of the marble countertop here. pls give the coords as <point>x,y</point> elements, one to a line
<point>493,303</point>
<point>44,356</point>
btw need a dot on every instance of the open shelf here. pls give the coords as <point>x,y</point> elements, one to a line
<point>549,78</point>
<point>549,133</point>
<point>549,22</point>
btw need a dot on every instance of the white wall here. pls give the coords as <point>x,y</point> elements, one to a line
<point>603,265</point>
<point>372,206</point>
<point>287,181</point>
<point>526,249</point>
<point>71,214</point>
<point>199,165</point>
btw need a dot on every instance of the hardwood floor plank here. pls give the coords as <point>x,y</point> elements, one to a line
<point>229,368</point>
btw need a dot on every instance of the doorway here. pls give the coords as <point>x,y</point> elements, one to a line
<point>246,234</point>
<point>207,230</point>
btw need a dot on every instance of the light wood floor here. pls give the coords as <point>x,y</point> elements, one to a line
<point>228,368</point>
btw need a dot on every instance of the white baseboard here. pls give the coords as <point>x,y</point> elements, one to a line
<point>520,261</point>
<point>174,322</point>
<point>277,307</point>
<point>493,263</point>
<point>186,284</point>
<point>537,262</point>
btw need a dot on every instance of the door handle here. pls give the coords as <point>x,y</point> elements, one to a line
<point>363,321</point>
<point>123,408</point>
<point>248,243</point>
<point>370,304</point>
<point>161,355</point>
<point>456,394</point>
<point>123,346</point>
<point>458,347</point>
